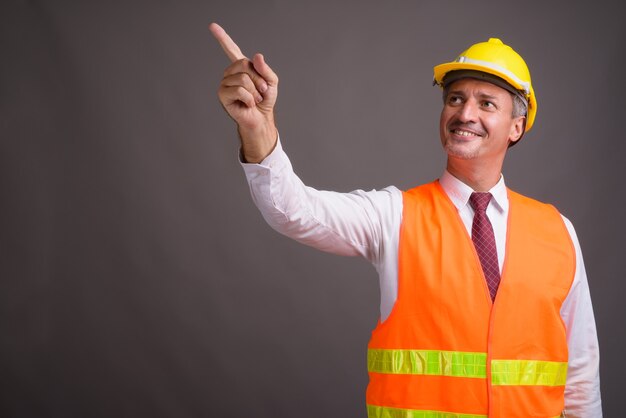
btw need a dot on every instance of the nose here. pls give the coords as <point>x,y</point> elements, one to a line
<point>468,112</point>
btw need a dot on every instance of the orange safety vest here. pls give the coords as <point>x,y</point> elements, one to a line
<point>447,351</point>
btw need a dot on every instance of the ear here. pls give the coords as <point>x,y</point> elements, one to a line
<point>517,129</point>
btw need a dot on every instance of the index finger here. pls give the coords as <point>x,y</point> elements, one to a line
<point>226,42</point>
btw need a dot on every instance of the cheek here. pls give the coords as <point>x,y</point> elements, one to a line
<point>495,124</point>
<point>442,124</point>
<point>444,118</point>
<point>498,130</point>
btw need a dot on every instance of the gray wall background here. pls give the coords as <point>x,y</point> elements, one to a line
<point>136,276</point>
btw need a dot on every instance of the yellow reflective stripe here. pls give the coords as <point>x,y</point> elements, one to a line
<point>431,362</point>
<point>528,372</point>
<point>467,364</point>
<point>383,412</point>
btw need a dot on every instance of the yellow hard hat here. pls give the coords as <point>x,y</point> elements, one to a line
<point>495,58</point>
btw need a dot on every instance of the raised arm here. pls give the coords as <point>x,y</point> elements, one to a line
<point>248,93</point>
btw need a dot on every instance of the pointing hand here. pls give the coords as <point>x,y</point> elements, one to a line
<point>248,93</point>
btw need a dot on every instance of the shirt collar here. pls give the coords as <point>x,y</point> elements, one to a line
<point>459,192</point>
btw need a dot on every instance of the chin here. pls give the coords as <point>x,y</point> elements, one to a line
<point>461,151</point>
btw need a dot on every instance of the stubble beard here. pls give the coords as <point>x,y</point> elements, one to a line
<point>461,149</point>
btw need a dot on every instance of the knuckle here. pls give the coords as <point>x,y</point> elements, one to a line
<point>227,71</point>
<point>243,78</point>
<point>249,68</point>
<point>235,67</point>
<point>237,79</point>
<point>242,91</point>
<point>242,65</point>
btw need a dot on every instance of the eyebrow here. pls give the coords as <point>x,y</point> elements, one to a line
<point>481,95</point>
<point>488,96</point>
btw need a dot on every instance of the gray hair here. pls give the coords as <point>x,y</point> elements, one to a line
<point>519,106</point>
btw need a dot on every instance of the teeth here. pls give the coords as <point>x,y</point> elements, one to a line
<point>464,133</point>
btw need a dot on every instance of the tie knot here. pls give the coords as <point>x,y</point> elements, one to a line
<point>480,201</point>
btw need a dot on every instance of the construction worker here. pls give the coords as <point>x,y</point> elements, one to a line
<point>485,305</point>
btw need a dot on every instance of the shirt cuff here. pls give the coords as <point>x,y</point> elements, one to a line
<point>275,160</point>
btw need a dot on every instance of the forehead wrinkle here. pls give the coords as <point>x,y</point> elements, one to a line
<point>483,95</point>
<point>480,95</point>
<point>478,88</point>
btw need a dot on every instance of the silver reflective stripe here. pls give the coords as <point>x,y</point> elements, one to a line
<point>525,85</point>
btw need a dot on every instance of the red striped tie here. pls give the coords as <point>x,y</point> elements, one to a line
<point>484,241</point>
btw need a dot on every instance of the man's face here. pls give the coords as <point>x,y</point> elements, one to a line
<point>476,121</point>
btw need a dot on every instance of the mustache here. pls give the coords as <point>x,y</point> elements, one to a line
<point>472,127</point>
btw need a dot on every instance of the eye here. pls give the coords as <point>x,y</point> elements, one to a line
<point>489,105</point>
<point>453,99</point>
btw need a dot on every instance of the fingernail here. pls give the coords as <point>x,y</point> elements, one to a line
<point>259,99</point>
<point>263,87</point>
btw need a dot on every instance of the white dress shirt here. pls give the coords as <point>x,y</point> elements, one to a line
<point>368,224</point>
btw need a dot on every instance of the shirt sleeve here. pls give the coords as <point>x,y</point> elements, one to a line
<point>582,389</point>
<point>358,223</point>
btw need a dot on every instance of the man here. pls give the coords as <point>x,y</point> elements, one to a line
<point>485,306</point>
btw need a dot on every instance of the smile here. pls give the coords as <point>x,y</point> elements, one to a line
<point>464,133</point>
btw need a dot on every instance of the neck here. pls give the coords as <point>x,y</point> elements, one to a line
<point>481,178</point>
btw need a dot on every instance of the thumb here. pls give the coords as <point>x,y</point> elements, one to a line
<point>264,70</point>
